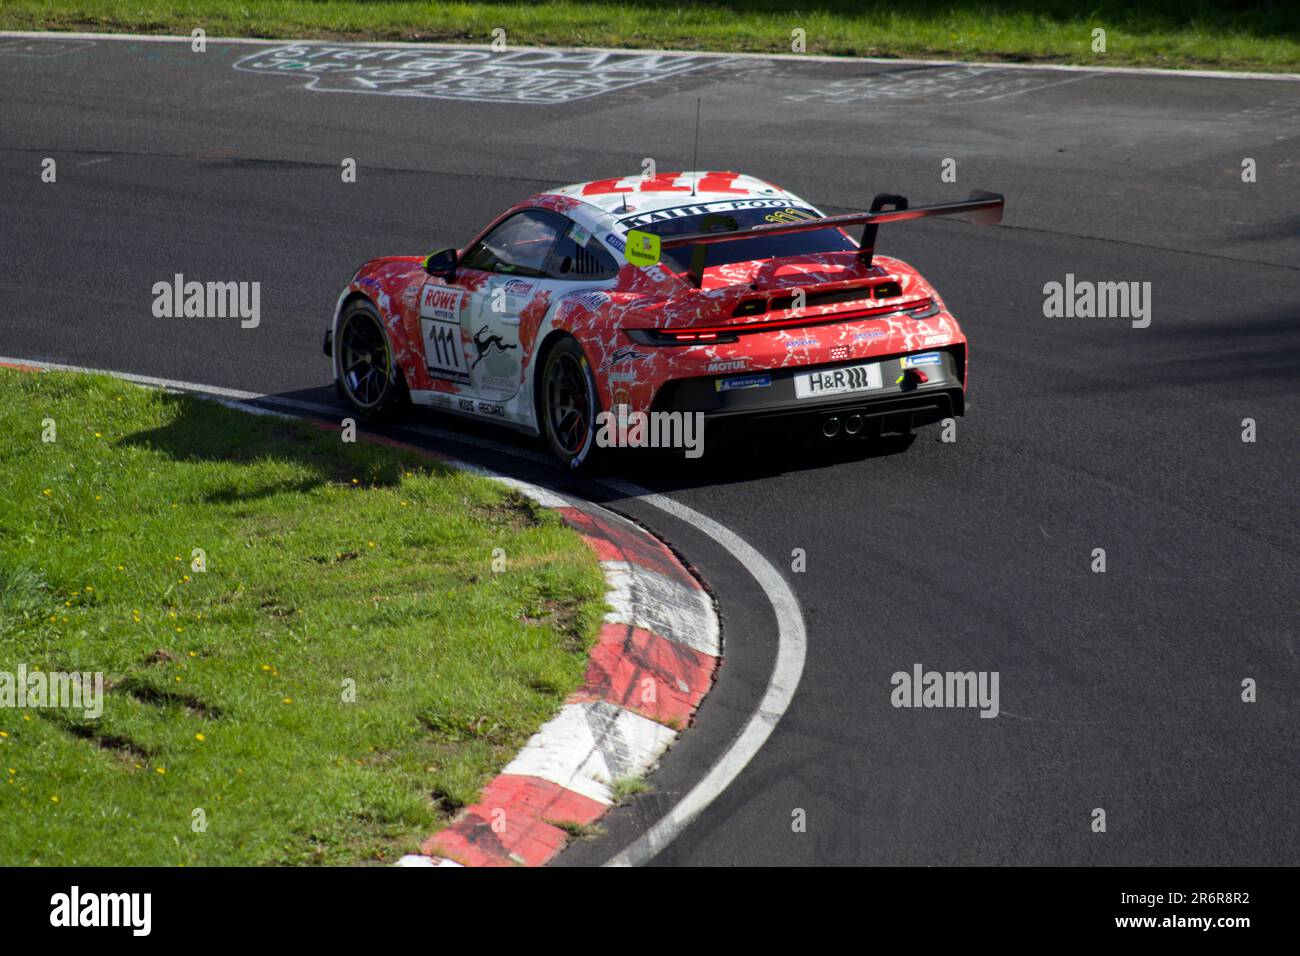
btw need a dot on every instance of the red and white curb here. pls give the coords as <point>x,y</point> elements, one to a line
<point>653,662</point>
<point>651,666</point>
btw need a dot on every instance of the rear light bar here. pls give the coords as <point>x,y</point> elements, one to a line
<point>671,337</point>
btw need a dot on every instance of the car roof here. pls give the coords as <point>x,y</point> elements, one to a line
<point>636,195</point>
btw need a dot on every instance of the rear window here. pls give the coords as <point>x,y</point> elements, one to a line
<point>746,250</point>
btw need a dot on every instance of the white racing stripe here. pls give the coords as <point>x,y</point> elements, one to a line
<point>791,633</point>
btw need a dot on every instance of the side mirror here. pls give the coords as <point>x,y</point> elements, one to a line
<point>441,264</point>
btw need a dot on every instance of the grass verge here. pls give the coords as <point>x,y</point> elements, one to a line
<point>333,571</point>
<point>1245,34</point>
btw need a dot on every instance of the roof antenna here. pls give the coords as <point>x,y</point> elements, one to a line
<point>695,159</point>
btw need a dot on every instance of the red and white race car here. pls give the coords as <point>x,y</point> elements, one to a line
<point>710,292</point>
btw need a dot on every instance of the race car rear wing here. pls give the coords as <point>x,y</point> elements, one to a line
<point>985,209</point>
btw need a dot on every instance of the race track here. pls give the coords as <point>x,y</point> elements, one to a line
<point>1119,690</point>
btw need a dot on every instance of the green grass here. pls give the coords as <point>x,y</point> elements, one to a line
<point>327,562</point>
<point>1245,34</point>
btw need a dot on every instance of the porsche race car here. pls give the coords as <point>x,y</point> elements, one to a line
<point>710,293</point>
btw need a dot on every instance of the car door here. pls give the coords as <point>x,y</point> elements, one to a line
<point>503,272</point>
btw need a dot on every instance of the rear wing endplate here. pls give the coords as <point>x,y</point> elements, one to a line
<point>985,209</point>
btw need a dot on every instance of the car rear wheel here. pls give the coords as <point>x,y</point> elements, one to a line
<point>569,405</point>
<point>367,375</point>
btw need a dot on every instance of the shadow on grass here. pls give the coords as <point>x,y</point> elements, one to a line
<point>202,430</point>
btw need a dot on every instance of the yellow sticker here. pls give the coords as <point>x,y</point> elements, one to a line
<point>642,248</point>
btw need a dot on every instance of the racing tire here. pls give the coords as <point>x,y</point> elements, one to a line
<point>568,404</point>
<point>365,373</point>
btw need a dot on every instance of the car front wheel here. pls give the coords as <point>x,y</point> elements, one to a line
<point>367,375</point>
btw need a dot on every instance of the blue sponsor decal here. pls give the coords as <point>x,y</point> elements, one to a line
<point>929,358</point>
<point>615,242</point>
<point>743,381</point>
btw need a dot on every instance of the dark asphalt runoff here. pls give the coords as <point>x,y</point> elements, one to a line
<point>1119,690</point>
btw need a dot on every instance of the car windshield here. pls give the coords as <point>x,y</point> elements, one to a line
<point>745,250</point>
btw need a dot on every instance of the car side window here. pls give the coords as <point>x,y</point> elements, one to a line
<point>519,246</point>
<point>578,255</point>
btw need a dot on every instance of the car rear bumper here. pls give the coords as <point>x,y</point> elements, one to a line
<point>901,402</point>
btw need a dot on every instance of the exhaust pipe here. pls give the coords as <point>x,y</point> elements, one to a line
<point>830,426</point>
<point>853,424</point>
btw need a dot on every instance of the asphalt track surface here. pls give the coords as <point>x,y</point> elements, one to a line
<point>1118,690</point>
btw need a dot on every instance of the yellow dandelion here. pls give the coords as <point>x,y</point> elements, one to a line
<point>3,734</point>
<point>161,770</point>
<point>200,738</point>
<point>266,667</point>
<point>288,700</point>
<point>47,492</point>
<point>54,798</point>
<point>98,435</point>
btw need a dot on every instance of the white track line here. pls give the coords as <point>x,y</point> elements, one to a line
<point>792,646</point>
<point>792,641</point>
<point>787,57</point>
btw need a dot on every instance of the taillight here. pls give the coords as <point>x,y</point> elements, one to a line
<point>670,337</point>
